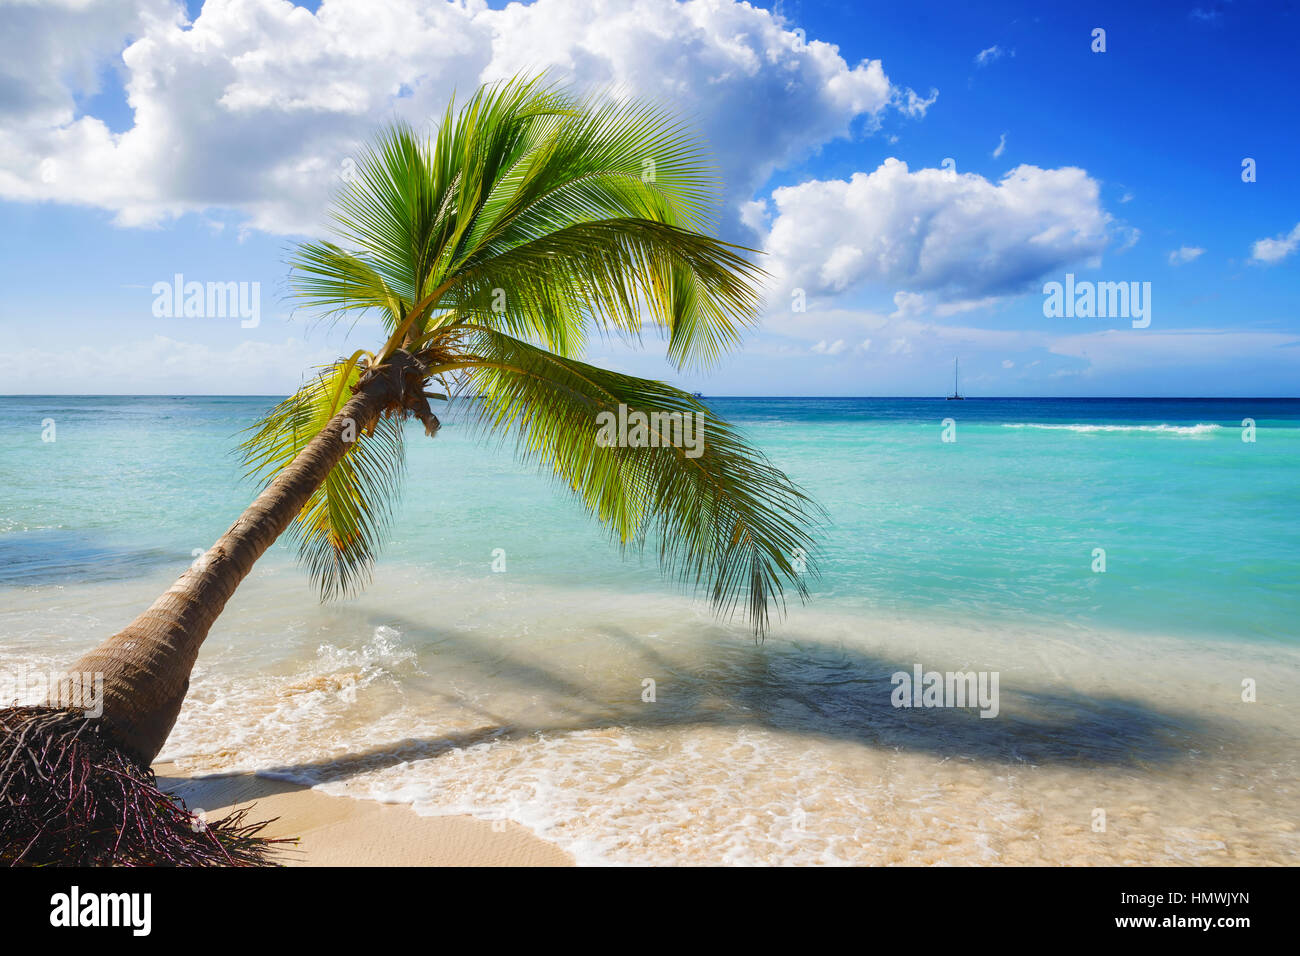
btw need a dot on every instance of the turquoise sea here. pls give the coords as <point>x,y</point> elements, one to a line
<point>1198,526</point>
<point>520,693</point>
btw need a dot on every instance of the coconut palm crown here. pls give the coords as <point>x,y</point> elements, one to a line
<point>492,252</point>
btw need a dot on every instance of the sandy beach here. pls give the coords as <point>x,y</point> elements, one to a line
<point>1145,716</point>
<point>340,831</point>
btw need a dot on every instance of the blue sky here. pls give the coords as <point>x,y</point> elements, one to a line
<point>147,138</point>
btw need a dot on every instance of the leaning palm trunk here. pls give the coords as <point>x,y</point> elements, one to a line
<point>489,254</point>
<point>146,666</point>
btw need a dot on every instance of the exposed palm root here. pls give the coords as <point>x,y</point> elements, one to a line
<point>70,797</point>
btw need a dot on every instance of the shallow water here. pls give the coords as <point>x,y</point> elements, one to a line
<point>520,694</point>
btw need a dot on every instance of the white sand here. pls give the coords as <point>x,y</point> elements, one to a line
<point>339,831</point>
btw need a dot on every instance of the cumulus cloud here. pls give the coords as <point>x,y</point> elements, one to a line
<point>50,50</point>
<point>935,237</point>
<point>1269,251</point>
<point>257,104</point>
<point>1185,254</point>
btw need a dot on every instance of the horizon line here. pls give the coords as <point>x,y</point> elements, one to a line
<point>280,395</point>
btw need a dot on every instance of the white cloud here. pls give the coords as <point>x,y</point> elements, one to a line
<point>1269,251</point>
<point>913,104</point>
<point>1128,236</point>
<point>257,104</point>
<point>1001,147</point>
<point>835,348</point>
<point>901,347</point>
<point>990,55</point>
<point>1121,350</point>
<point>50,49</point>
<point>959,239</point>
<point>944,309</point>
<point>909,304</point>
<point>1185,254</point>
<point>165,366</point>
<point>754,214</point>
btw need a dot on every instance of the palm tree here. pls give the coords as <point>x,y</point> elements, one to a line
<point>490,252</point>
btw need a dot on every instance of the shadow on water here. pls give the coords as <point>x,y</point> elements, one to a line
<point>66,557</point>
<point>792,687</point>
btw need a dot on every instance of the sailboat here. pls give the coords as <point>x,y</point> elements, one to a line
<point>956,396</point>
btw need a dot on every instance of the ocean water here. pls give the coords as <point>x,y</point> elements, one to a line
<point>455,688</point>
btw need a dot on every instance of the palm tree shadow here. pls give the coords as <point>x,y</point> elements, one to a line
<point>793,688</point>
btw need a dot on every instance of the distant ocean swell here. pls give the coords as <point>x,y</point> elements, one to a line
<point>1200,429</point>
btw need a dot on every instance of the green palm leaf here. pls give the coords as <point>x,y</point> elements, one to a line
<point>722,518</point>
<point>340,530</point>
<point>610,272</point>
<point>542,215</point>
<point>492,251</point>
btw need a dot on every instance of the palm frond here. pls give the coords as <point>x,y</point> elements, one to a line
<point>334,281</point>
<point>723,520</point>
<point>514,196</point>
<point>341,528</point>
<point>494,249</point>
<point>390,208</point>
<point>601,160</point>
<point>611,274</point>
